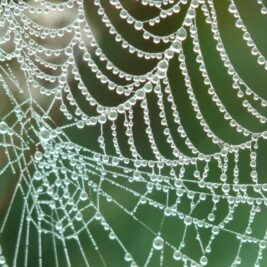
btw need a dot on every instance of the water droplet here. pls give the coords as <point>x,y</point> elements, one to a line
<point>181,34</point>
<point>102,119</point>
<point>215,230</point>
<point>80,124</point>
<point>136,175</point>
<point>112,236</point>
<point>177,255</point>
<point>262,244</point>
<point>232,8</point>
<point>78,216</point>
<point>2,260</point>
<point>128,257</point>
<point>140,94</point>
<point>98,216</point>
<point>38,155</point>
<point>187,220</point>
<point>3,128</point>
<point>38,176</point>
<point>44,135</point>
<point>163,65</point>
<point>158,243</point>
<point>211,217</point>
<point>138,25</point>
<point>148,87</point>
<point>83,196</point>
<point>237,260</point>
<point>112,115</point>
<point>59,226</point>
<point>204,260</point>
<point>176,46</point>
<point>74,176</point>
<point>167,211</point>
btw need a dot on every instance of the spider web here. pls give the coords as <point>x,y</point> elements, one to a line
<point>108,144</point>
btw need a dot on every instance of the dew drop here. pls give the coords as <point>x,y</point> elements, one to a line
<point>140,94</point>
<point>3,128</point>
<point>187,220</point>
<point>83,196</point>
<point>59,226</point>
<point>38,155</point>
<point>215,230</point>
<point>181,34</point>
<point>138,25</point>
<point>163,65</point>
<point>112,115</point>
<point>112,236</point>
<point>262,244</point>
<point>2,260</point>
<point>78,216</point>
<point>204,260</point>
<point>128,257</point>
<point>98,216</point>
<point>176,46</point>
<point>177,255</point>
<point>167,211</point>
<point>44,135</point>
<point>158,243</point>
<point>38,176</point>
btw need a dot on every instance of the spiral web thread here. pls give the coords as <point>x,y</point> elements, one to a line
<point>65,189</point>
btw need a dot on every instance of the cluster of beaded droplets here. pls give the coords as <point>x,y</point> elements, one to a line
<point>63,185</point>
